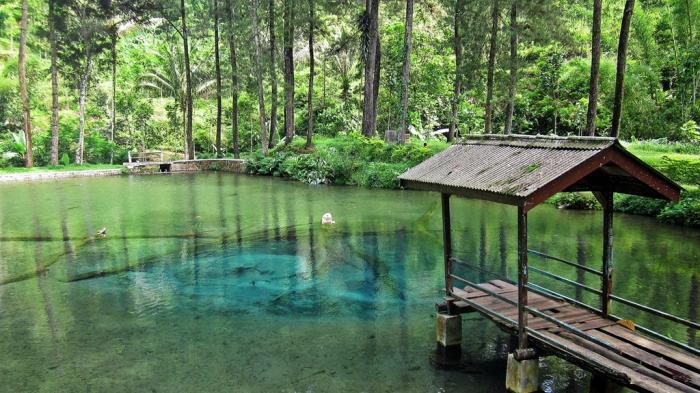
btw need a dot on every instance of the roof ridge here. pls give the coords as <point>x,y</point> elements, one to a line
<point>541,141</point>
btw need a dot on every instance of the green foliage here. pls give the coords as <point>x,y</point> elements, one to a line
<point>380,175</point>
<point>576,201</point>
<point>686,212</point>
<point>682,170</point>
<point>65,159</point>
<point>347,159</point>
<point>632,204</point>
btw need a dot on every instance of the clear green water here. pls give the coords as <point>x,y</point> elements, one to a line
<point>217,282</point>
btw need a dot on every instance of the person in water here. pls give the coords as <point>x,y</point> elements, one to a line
<point>327,219</point>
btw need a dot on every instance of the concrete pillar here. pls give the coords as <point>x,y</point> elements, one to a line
<point>522,376</point>
<point>448,332</point>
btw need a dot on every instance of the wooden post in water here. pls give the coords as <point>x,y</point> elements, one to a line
<point>607,201</point>
<point>447,243</point>
<point>522,278</point>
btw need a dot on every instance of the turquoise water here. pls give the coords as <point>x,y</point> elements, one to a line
<point>218,282</point>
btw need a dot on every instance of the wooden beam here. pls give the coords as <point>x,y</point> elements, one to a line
<point>522,278</point>
<point>606,199</point>
<point>463,192</point>
<point>447,242</point>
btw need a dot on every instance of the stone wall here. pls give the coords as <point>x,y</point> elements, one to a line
<point>221,164</point>
<point>15,177</point>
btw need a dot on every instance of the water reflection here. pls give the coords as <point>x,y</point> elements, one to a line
<point>236,274</point>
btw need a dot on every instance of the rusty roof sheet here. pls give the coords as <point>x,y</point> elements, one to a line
<point>514,166</point>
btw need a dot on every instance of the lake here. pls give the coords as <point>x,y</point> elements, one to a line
<point>220,282</point>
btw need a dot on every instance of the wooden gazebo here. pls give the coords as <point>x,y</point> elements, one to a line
<point>524,171</point>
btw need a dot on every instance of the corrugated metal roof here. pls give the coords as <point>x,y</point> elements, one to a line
<point>514,165</point>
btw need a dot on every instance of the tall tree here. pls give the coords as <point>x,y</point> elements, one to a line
<point>113,31</point>
<point>369,118</point>
<point>407,40</point>
<point>83,37</point>
<point>621,64</point>
<point>312,63</point>
<point>259,77</point>
<point>24,95</point>
<point>457,44</point>
<point>54,82</point>
<point>595,70</point>
<point>234,78</point>
<point>217,67</point>
<point>491,68</point>
<point>84,80</point>
<point>513,66</point>
<point>289,70</point>
<point>273,75</point>
<point>189,142</point>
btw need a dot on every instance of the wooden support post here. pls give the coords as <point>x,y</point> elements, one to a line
<point>607,201</point>
<point>447,242</point>
<point>522,278</point>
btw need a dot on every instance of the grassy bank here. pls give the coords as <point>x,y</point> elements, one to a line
<point>679,161</point>
<point>355,160</point>
<point>345,159</point>
<point>57,168</point>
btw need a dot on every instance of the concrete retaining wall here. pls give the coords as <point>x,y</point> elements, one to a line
<point>221,164</point>
<point>15,177</point>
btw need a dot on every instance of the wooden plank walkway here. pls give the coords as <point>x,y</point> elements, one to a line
<point>638,362</point>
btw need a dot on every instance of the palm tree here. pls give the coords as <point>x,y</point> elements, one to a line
<point>168,79</point>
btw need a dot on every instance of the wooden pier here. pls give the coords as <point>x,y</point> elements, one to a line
<point>524,171</point>
<point>623,355</point>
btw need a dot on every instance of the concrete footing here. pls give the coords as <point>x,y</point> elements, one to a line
<point>448,330</point>
<point>448,336</point>
<point>522,376</point>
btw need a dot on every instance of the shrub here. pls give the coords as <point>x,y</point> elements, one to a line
<point>380,175</point>
<point>576,201</point>
<point>65,159</point>
<point>681,170</point>
<point>632,204</point>
<point>686,212</point>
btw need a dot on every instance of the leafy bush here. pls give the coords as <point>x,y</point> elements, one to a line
<point>350,159</point>
<point>576,201</point>
<point>686,212</point>
<point>65,159</point>
<point>632,204</point>
<point>380,175</point>
<point>681,170</point>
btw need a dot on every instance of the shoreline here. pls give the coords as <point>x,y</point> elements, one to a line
<point>54,175</point>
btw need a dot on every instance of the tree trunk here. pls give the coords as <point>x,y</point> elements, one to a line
<point>369,119</point>
<point>24,95</point>
<point>113,109</point>
<point>491,66</point>
<point>189,143</point>
<point>595,70</point>
<point>234,80</point>
<point>459,8</point>
<point>513,66</point>
<point>621,64</point>
<point>54,84</point>
<point>312,63</point>
<point>375,84</point>
<point>273,76</point>
<point>217,70</point>
<point>79,156</point>
<point>406,66</point>
<point>259,78</point>
<point>288,70</point>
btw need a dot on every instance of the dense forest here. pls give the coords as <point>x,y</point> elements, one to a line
<point>87,81</point>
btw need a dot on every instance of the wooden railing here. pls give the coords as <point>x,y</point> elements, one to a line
<point>145,156</point>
